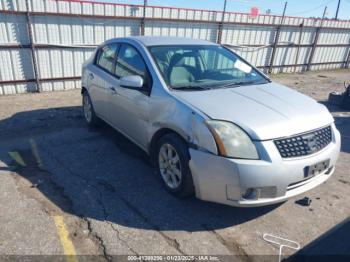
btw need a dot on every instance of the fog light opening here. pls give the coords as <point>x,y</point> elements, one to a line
<point>329,170</point>
<point>251,194</point>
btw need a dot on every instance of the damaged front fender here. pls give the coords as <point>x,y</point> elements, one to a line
<point>169,113</point>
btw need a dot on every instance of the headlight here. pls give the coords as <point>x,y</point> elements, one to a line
<point>231,140</point>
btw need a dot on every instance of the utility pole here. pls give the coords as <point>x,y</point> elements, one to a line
<point>144,7</point>
<point>224,11</point>
<point>336,14</point>
<point>143,18</point>
<point>221,24</point>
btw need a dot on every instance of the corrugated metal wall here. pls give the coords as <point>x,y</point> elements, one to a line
<point>64,34</point>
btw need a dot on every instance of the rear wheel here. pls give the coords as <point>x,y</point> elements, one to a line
<point>88,110</point>
<point>172,160</point>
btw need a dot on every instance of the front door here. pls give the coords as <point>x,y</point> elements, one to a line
<point>129,108</point>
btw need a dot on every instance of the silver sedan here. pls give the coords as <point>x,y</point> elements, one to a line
<point>213,124</point>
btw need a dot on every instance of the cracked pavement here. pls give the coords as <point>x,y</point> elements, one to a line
<point>113,203</point>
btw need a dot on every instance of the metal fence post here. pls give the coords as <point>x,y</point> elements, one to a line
<point>347,62</point>
<point>298,48</point>
<point>32,47</point>
<point>314,44</point>
<point>277,36</point>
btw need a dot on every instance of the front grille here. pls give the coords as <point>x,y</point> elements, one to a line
<point>304,144</point>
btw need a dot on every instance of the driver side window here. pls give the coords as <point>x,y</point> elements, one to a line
<point>129,62</point>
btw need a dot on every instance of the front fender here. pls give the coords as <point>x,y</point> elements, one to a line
<point>168,112</point>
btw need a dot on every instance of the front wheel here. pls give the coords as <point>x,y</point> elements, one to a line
<point>172,164</point>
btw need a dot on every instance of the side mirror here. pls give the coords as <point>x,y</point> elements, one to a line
<point>132,81</point>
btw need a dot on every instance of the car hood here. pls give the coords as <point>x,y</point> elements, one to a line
<point>265,111</point>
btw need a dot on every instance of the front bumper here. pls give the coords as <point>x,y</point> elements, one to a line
<point>225,180</point>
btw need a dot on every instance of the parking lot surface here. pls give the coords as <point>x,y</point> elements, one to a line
<point>68,189</point>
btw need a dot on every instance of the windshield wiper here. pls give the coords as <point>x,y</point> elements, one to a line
<point>235,84</point>
<point>190,87</point>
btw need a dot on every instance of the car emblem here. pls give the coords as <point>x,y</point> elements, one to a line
<point>311,142</point>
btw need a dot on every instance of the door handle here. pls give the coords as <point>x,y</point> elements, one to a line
<point>91,75</point>
<point>113,90</point>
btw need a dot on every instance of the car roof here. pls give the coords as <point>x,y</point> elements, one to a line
<point>166,40</point>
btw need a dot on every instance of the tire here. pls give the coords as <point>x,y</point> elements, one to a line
<point>88,111</point>
<point>180,182</point>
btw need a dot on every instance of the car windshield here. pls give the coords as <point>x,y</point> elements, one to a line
<point>201,67</point>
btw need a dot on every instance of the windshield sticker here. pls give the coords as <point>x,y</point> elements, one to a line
<point>242,66</point>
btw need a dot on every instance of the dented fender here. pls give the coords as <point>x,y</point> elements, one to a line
<point>170,113</point>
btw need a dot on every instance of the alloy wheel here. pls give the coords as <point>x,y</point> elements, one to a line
<point>169,166</point>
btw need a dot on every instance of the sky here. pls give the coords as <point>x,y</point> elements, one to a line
<point>305,8</point>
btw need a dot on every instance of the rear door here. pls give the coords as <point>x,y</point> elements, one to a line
<point>100,74</point>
